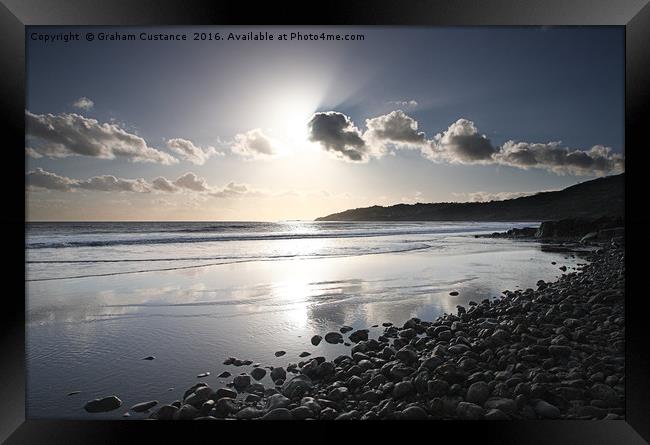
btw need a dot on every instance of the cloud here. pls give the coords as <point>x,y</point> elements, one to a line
<point>404,103</point>
<point>191,181</point>
<point>109,183</point>
<point>254,144</point>
<point>164,185</point>
<point>29,151</point>
<point>395,127</point>
<point>83,103</point>
<point>190,152</point>
<point>552,156</point>
<point>336,133</point>
<point>41,179</point>
<point>66,134</point>
<point>461,143</point>
<point>234,190</point>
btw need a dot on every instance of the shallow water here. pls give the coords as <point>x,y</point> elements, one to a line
<point>274,287</point>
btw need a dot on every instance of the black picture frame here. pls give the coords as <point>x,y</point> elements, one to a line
<point>634,15</point>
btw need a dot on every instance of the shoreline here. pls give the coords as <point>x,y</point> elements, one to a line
<point>553,352</point>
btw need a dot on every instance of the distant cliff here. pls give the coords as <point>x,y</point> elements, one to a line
<point>590,199</point>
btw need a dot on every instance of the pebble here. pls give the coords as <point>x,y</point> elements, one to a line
<point>258,373</point>
<point>278,414</point>
<point>316,339</point>
<point>280,353</point>
<point>144,406</point>
<point>546,411</point>
<point>241,382</point>
<point>205,374</point>
<point>333,337</point>
<point>413,413</point>
<point>104,404</point>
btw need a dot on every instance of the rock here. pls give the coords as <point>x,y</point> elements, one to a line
<point>508,406</point>
<point>328,414</point>
<point>304,354</point>
<point>165,412</point>
<point>310,403</point>
<point>352,415</point>
<point>403,389</point>
<point>249,413</point>
<point>345,329</point>
<point>252,398</point>
<point>453,293</point>
<point>316,339</point>
<point>413,413</point>
<point>277,401</point>
<point>280,353</point>
<point>338,394</point>
<point>224,374</point>
<point>371,396</point>
<point>74,393</point>
<point>601,391</point>
<point>224,407</point>
<point>224,392</point>
<point>333,338</point>
<point>144,406</point>
<point>186,412</point>
<point>406,355</point>
<point>258,373</point>
<point>495,414</point>
<point>109,403</point>
<point>469,411</point>
<point>325,369</point>
<point>546,411</point>
<point>301,413</point>
<point>149,357</point>
<point>242,381</point>
<point>278,374</point>
<point>437,388</point>
<point>559,351</point>
<point>478,393</point>
<point>432,363</point>
<point>205,374</point>
<point>360,335</point>
<point>278,414</point>
<point>200,395</point>
<point>296,386</point>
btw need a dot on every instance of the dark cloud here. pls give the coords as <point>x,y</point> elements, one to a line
<point>552,156</point>
<point>336,133</point>
<point>461,143</point>
<point>66,134</point>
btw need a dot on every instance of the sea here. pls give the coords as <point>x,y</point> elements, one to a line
<point>102,296</point>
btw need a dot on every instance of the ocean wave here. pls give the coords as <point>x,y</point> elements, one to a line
<point>243,237</point>
<point>233,260</point>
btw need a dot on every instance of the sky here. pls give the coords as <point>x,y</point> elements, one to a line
<point>280,130</point>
